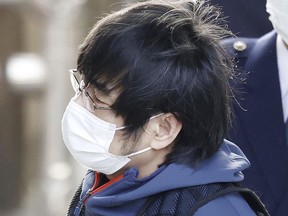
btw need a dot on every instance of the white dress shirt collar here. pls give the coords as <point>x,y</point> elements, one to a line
<point>282,62</point>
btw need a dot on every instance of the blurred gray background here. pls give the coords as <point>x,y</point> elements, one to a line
<point>39,42</point>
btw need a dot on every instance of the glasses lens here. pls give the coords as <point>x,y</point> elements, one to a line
<point>93,103</point>
<point>88,92</point>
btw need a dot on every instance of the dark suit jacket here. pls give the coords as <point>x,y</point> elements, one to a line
<point>246,18</point>
<point>260,131</point>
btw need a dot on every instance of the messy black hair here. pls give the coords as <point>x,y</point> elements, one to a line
<point>165,57</point>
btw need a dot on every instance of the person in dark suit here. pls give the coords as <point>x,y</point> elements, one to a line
<point>261,110</point>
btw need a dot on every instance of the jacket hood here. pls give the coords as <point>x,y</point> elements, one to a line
<point>225,166</point>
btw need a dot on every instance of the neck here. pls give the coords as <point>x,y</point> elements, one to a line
<point>146,163</point>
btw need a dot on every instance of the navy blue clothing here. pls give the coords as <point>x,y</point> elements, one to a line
<point>246,18</point>
<point>127,195</point>
<point>260,130</point>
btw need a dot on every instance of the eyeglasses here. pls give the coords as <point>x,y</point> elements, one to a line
<point>89,96</point>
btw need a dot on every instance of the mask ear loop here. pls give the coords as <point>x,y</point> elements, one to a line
<point>153,117</point>
<point>121,128</point>
<point>148,148</point>
<point>139,152</point>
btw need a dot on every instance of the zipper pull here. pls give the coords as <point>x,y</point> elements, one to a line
<point>81,202</point>
<point>88,192</point>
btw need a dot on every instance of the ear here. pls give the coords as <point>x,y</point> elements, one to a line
<point>166,127</point>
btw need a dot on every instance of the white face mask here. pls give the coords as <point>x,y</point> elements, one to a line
<point>88,139</point>
<point>278,10</point>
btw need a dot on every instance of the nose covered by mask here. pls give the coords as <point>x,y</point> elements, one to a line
<point>88,139</point>
<point>278,10</point>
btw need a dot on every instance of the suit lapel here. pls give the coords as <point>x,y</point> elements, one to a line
<point>263,120</point>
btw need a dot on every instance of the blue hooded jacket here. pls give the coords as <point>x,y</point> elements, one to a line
<point>127,194</point>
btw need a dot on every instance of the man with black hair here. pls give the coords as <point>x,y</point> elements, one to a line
<point>150,114</point>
